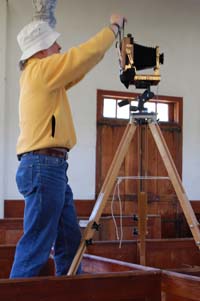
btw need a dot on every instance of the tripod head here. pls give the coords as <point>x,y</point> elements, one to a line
<point>142,99</point>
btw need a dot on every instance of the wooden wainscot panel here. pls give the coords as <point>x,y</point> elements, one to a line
<point>179,287</point>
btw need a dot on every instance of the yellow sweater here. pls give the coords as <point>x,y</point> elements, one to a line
<point>44,112</point>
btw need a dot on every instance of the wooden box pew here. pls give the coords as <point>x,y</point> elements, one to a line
<point>160,253</point>
<point>188,270</point>
<point>174,286</point>
<point>124,286</point>
<point>15,208</point>
<point>6,260</point>
<point>96,264</point>
<point>107,229</point>
<point>110,249</point>
<point>180,287</point>
<point>173,223</point>
<point>11,230</point>
<point>172,253</point>
<point>105,279</point>
<point>108,280</point>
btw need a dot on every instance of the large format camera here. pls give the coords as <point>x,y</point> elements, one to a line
<point>135,57</point>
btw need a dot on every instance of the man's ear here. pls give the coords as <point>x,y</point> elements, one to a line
<point>41,54</point>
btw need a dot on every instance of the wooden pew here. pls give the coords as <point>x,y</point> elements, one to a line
<point>108,232</point>
<point>108,280</point>
<point>122,280</point>
<point>97,264</point>
<point>173,223</point>
<point>172,253</point>
<point>6,260</point>
<point>13,208</point>
<point>160,253</point>
<point>105,279</point>
<point>188,270</point>
<point>129,286</point>
<point>180,287</point>
<point>11,230</point>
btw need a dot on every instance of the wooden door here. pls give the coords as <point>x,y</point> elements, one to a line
<point>109,133</point>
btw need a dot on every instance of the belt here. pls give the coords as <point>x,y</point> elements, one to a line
<point>54,152</point>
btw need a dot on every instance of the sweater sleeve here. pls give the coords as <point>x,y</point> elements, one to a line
<point>71,84</point>
<point>62,70</point>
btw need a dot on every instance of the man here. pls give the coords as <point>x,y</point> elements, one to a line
<point>46,135</point>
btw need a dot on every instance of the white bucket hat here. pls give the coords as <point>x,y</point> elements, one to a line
<point>36,36</point>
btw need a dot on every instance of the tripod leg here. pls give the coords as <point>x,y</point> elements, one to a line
<point>104,194</point>
<point>176,181</point>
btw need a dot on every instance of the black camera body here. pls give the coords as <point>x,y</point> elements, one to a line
<point>134,58</point>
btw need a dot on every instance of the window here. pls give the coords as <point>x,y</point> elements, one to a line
<point>111,108</point>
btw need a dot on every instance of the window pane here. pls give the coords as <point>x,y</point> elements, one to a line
<point>123,112</point>
<point>163,111</point>
<point>109,107</point>
<point>151,107</point>
<point>134,103</point>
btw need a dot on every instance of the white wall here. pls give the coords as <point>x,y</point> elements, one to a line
<point>3,48</point>
<point>173,25</point>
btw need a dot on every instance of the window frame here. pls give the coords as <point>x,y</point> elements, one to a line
<point>175,106</point>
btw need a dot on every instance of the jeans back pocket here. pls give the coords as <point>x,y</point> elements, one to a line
<point>24,179</point>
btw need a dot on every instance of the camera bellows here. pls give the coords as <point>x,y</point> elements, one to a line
<point>144,57</point>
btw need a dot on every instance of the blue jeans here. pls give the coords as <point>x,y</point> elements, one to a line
<point>49,217</point>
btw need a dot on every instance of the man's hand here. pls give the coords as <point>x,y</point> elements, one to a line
<point>117,22</point>
<point>117,19</point>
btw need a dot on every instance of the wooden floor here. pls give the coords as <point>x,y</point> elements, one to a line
<point>172,271</point>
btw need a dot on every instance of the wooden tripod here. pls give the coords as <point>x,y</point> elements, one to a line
<point>112,174</point>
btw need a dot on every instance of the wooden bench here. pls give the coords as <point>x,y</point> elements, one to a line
<point>6,260</point>
<point>173,223</point>
<point>180,287</point>
<point>108,232</point>
<point>129,286</point>
<point>160,253</point>
<point>108,280</point>
<point>11,230</point>
<point>104,279</point>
